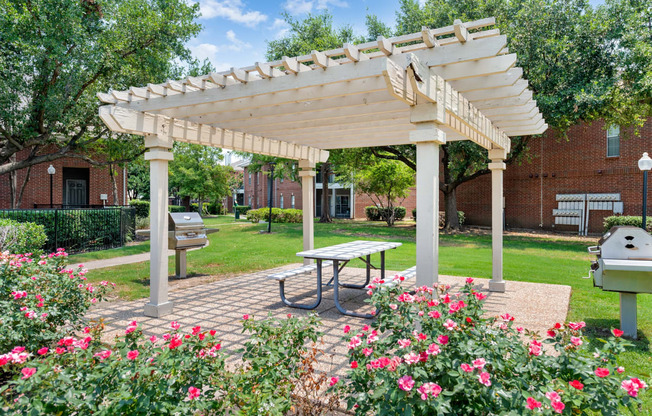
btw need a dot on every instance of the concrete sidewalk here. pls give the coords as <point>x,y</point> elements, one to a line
<point>118,261</point>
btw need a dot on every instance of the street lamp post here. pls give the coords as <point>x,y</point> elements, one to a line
<point>271,196</point>
<point>644,164</point>
<point>51,172</point>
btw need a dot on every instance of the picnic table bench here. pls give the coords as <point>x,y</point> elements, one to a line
<point>338,256</point>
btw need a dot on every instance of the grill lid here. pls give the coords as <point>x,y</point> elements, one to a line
<point>626,242</point>
<point>184,221</point>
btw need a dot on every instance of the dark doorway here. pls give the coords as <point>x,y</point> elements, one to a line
<point>75,186</point>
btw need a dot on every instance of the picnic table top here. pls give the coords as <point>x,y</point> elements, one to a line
<point>348,251</point>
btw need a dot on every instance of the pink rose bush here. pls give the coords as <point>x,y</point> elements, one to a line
<point>41,301</point>
<point>182,372</point>
<point>434,352</point>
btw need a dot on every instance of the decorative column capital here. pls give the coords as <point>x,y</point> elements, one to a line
<point>497,165</point>
<point>307,168</point>
<point>500,154</point>
<point>158,140</point>
<point>428,132</point>
<point>159,153</point>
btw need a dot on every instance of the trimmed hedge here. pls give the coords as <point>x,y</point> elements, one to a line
<point>635,221</point>
<point>80,230</point>
<point>278,215</point>
<point>242,209</point>
<point>374,213</point>
<point>21,237</point>
<point>442,217</point>
<point>142,207</point>
<point>176,208</point>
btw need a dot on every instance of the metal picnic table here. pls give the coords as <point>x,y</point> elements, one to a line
<point>340,255</point>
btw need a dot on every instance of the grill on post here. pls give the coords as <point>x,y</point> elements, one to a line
<point>185,230</point>
<point>624,264</point>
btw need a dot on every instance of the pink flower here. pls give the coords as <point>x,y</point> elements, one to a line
<point>346,329</point>
<point>429,388</point>
<point>466,367</point>
<point>576,326</point>
<point>632,386</point>
<point>27,372</point>
<point>153,339</point>
<point>405,383</point>
<point>411,358</point>
<point>355,341</point>
<point>131,328</point>
<point>367,351</point>
<point>558,407</point>
<point>354,364</point>
<point>532,403</point>
<point>132,355</point>
<point>102,355</point>
<point>42,351</point>
<point>617,332</point>
<point>175,325</point>
<point>450,324</point>
<point>553,396</point>
<point>469,280</point>
<point>620,370</point>
<point>434,314</point>
<point>576,384</point>
<point>480,296</point>
<point>576,341</point>
<point>535,348</point>
<point>333,381</point>
<point>404,343</point>
<point>485,378</point>
<point>193,393</point>
<point>442,339</point>
<point>393,306</point>
<point>507,317</point>
<point>601,372</point>
<point>479,363</point>
<point>30,315</point>
<point>433,349</point>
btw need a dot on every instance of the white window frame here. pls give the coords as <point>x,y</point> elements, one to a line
<point>292,201</point>
<point>613,135</point>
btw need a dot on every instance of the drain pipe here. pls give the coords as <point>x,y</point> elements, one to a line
<point>541,186</point>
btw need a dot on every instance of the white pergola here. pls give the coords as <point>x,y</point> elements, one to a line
<point>453,83</point>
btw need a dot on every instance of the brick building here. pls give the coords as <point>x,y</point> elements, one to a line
<point>74,183</point>
<point>592,160</point>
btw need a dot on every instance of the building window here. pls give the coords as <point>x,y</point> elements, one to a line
<point>250,179</point>
<point>613,141</point>
<point>281,180</point>
<point>281,202</point>
<point>292,201</point>
<point>249,201</point>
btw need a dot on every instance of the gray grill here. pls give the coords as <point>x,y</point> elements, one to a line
<point>185,230</point>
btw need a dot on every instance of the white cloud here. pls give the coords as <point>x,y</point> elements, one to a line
<point>296,7</point>
<point>209,51</point>
<point>281,27</point>
<point>233,10</point>
<point>236,44</point>
<point>323,4</point>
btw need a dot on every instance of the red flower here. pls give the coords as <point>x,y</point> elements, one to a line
<point>617,332</point>
<point>132,355</point>
<point>42,351</point>
<point>193,393</point>
<point>27,372</point>
<point>577,384</point>
<point>532,403</point>
<point>552,333</point>
<point>196,330</point>
<point>245,316</point>
<point>346,329</point>
<point>601,372</point>
<point>212,332</point>
<point>354,364</point>
<point>175,342</point>
<point>201,337</point>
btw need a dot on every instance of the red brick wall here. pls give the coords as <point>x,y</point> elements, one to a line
<point>410,203</point>
<point>558,165</point>
<point>37,190</point>
<point>258,191</point>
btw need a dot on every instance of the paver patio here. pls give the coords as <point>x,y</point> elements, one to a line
<point>220,306</point>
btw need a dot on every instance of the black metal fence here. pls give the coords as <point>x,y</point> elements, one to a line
<point>81,229</point>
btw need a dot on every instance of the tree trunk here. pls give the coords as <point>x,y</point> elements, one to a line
<point>185,201</point>
<point>13,183</point>
<point>19,200</point>
<point>200,205</point>
<point>114,186</point>
<point>451,219</point>
<point>325,206</point>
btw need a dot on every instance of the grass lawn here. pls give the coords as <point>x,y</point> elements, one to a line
<point>239,248</point>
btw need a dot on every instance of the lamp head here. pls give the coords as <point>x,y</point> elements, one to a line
<point>645,163</point>
<point>52,171</point>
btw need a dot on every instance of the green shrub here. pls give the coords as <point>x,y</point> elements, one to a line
<point>21,237</point>
<point>142,207</point>
<point>374,213</point>
<point>278,215</point>
<point>80,230</point>
<point>40,302</point>
<point>242,209</point>
<point>176,208</point>
<point>414,214</point>
<point>615,220</point>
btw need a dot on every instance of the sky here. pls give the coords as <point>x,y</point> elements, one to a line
<point>235,32</point>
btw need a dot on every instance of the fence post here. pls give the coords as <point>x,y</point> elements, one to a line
<point>56,229</point>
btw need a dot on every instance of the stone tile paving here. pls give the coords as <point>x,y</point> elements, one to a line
<point>220,306</point>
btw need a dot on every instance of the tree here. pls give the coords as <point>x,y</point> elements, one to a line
<point>385,182</point>
<point>196,172</point>
<point>138,179</point>
<point>55,55</point>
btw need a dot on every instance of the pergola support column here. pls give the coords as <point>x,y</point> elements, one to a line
<point>158,155</point>
<point>307,174</point>
<point>428,137</point>
<point>497,166</point>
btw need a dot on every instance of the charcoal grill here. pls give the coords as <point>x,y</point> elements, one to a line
<point>185,231</point>
<point>624,265</point>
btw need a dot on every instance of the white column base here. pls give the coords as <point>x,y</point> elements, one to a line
<point>497,286</point>
<point>628,318</point>
<point>157,311</point>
